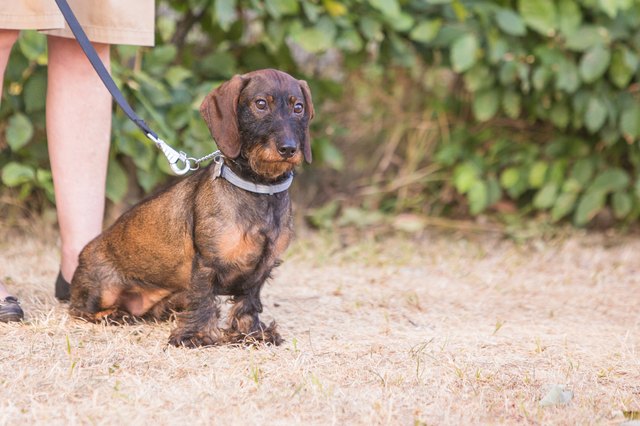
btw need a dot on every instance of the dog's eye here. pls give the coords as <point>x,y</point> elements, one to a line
<point>261,104</point>
<point>298,108</point>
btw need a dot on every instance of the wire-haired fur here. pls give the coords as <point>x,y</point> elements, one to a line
<point>202,238</point>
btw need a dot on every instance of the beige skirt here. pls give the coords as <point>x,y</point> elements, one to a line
<point>104,21</point>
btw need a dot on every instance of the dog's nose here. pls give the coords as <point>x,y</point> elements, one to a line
<point>287,149</point>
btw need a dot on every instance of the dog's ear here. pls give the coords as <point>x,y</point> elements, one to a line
<point>220,111</point>
<point>306,144</point>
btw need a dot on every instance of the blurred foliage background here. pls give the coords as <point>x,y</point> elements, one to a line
<point>433,107</point>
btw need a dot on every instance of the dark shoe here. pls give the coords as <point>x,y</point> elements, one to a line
<point>10,310</point>
<point>63,290</point>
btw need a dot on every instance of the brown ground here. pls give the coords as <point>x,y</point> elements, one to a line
<point>441,329</point>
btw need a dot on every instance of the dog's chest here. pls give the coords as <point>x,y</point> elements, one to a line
<point>244,248</point>
<point>257,239</point>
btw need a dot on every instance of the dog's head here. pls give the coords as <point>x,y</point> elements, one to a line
<point>263,117</point>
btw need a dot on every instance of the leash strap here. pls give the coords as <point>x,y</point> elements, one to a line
<point>172,155</point>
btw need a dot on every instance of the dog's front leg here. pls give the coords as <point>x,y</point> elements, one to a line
<point>198,324</point>
<point>244,323</point>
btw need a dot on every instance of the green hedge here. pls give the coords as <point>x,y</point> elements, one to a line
<point>568,67</point>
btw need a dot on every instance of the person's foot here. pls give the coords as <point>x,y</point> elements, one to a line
<point>10,310</point>
<point>63,290</point>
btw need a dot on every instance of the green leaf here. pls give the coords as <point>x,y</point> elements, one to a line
<point>594,63</point>
<point>569,16</point>
<point>176,75</point>
<point>459,10</point>
<point>464,176</point>
<point>610,7</point>
<point>587,37</point>
<point>582,171</point>
<point>485,104</point>
<point>35,90</point>
<point>313,40</point>
<point>546,197</point>
<point>567,77</point>
<point>511,103</point>
<point>564,205</point>
<point>117,182</point>
<point>44,179</point>
<point>478,197</point>
<point>571,185</point>
<point>540,78</point>
<point>225,12</point>
<point>595,115</point>
<point>463,52</point>
<point>509,177</point>
<point>623,65</point>
<point>324,217</point>
<point>19,131</point>
<point>538,174</point>
<point>389,8</point>
<point>478,77</point>
<point>494,192</point>
<point>334,8</point>
<point>498,48</point>
<point>14,174</point>
<point>508,73</point>
<point>426,31</point>
<point>371,29</point>
<point>622,204</point>
<point>557,171</point>
<point>139,150</point>
<point>539,15</point>
<point>33,45</point>
<point>161,56</point>
<point>350,41</point>
<point>560,115</point>
<point>589,205</point>
<point>401,23</point>
<point>280,8</point>
<point>328,153</point>
<point>510,22</point>
<point>630,122</point>
<point>610,180</point>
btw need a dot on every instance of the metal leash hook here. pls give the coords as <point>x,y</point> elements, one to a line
<point>173,156</point>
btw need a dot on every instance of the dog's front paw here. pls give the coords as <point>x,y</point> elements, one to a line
<point>192,340</point>
<point>259,334</point>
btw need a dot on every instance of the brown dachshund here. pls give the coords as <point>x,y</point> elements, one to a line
<point>218,232</point>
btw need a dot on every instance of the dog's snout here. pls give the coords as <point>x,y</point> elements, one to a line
<point>288,148</point>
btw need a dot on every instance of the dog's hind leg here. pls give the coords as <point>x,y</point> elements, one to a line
<point>95,292</point>
<point>171,304</point>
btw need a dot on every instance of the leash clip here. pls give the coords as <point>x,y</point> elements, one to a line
<point>173,156</point>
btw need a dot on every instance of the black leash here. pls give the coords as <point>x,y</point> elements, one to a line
<point>172,155</point>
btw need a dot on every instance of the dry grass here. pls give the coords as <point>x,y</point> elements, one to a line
<point>438,330</point>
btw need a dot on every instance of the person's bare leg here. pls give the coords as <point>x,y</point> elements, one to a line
<point>78,133</point>
<point>7,40</point>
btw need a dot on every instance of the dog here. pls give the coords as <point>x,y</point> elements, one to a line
<point>205,237</point>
